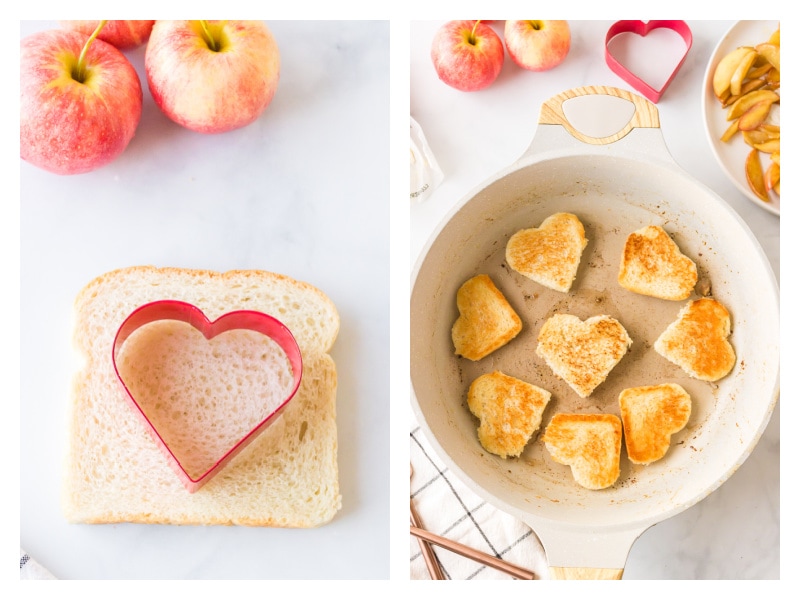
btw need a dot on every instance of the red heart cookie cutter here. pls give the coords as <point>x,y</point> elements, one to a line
<point>641,28</point>
<point>177,310</point>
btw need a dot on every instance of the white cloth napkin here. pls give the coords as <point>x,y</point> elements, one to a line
<point>30,569</point>
<point>448,508</point>
<point>425,172</point>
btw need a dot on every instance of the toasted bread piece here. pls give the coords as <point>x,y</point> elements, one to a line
<point>653,265</point>
<point>590,444</point>
<point>582,353</point>
<point>650,415</point>
<point>549,254</point>
<point>115,472</point>
<point>510,411</point>
<point>697,341</point>
<point>486,320</point>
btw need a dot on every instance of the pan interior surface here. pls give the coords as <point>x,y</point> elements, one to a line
<point>612,197</point>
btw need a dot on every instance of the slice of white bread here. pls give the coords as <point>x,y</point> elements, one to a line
<point>697,341</point>
<point>582,353</point>
<point>486,321</point>
<point>549,254</point>
<point>589,444</point>
<point>650,415</point>
<point>115,472</point>
<point>510,412</point>
<point>653,265</point>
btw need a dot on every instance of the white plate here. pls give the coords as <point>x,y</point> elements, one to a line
<point>731,155</point>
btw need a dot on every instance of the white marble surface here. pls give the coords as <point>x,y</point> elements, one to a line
<point>302,191</point>
<point>735,532</point>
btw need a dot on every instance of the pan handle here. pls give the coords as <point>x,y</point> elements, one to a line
<point>645,113</point>
<point>584,573</point>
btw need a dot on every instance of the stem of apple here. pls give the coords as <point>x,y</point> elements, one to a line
<point>210,41</point>
<point>79,72</point>
<point>472,33</point>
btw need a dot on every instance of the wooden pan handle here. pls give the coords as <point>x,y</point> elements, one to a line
<point>645,112</point>
<point>584,573</point>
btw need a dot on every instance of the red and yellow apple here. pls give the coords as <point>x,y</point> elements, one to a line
<point>537,45</point>
<point>212,76</point>
<point>122,34</point>
<point>75,115</point>
<point>467,55</point>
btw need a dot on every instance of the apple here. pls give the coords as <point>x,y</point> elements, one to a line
<point>125,35</point>
<point>467,55</point>
<point>212,76</point>
<point>77,112</point>
<point>537,45</point>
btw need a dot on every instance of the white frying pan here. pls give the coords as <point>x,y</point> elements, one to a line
<point>615,183</point>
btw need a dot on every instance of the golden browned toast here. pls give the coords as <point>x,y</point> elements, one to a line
<point>510,411</point>
<point>589,443</point>
<point>549,254</point>
<point>582,353</point>
<point>653,265</point>
<point>697,341</point>
<point>486,320</point>
<point>650,415</point>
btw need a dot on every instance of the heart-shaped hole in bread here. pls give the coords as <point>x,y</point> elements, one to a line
<point>652,264</point>
<point>486,320</point>
<point>589,444</point>
<point>549,254</point>
<point>582,353</point>
<point>650,416</point>
<point>205,389</point>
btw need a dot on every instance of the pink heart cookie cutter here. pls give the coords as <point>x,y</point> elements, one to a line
<point>177,310</point>
<point>642,29</point>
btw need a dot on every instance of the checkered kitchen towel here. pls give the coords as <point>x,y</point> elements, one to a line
<point>448,508</point>
<point>30,569</point>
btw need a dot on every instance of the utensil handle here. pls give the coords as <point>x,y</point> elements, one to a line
<point>434,568</point>
<point>645,112</point>
<point>584,573</point>
<point>473,554</point>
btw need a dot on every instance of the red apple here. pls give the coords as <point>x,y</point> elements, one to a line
<point>122,34</point>
<point>212,76</point>
<point>537,45</point>
<point>467,55</point>
<point>75,116</point>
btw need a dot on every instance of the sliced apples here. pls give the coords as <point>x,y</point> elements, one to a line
<point>746,82</point>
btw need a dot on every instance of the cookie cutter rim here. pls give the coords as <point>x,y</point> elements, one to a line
<point>642,28</point>
<point>178,310</point>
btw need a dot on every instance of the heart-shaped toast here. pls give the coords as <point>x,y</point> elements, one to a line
<point>582,353</point>
<point>486,320</point>
<point>510,412</point>
<point>549,254</point>
<point>205,389</point>
<point>653,265</point>
<point>589,444</point>
<point>650,415</point>
<point>642,29</point>
<point>697,341</point>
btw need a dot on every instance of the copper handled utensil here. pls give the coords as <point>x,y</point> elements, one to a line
<point>427,552</point>
<point>473,554</point>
